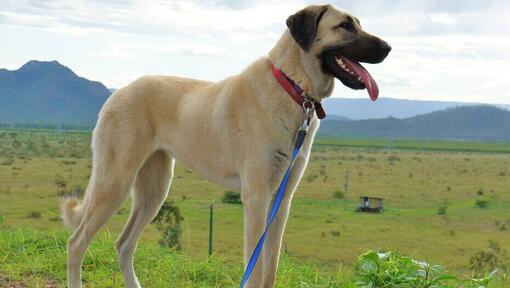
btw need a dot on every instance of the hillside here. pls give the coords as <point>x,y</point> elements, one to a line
<point>49,92</point>
<point>481,122</point>
<point>51,95</point>
<point>362,109</point>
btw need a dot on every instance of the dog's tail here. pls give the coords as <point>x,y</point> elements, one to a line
<point>72,210</point>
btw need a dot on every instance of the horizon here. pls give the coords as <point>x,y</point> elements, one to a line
<point>113,89</point>
<point>439,49</point>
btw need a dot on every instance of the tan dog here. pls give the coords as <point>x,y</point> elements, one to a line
<point>238,132</point>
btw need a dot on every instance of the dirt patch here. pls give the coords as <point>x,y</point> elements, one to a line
<point>6,282</point>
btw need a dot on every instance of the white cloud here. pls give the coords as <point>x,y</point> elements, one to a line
<point>443,18</point>
<point>448,50</point>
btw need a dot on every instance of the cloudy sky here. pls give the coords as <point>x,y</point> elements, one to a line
<point>442,50</point>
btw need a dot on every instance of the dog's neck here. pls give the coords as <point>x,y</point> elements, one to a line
<point>302,68</point>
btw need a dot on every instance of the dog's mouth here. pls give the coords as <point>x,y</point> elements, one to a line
<point>351,73</point>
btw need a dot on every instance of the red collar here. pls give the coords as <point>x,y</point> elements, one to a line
<point>296,93</point>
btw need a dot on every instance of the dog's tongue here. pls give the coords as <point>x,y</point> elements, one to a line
<point>370,84</point>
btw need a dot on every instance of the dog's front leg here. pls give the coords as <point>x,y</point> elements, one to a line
<point>257,193</point>
<point>255,206</point>
<point>275,235</point>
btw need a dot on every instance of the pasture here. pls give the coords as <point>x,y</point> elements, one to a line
<point>432,193</point>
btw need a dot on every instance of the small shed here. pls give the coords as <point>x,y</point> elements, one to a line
<point>370,204</point>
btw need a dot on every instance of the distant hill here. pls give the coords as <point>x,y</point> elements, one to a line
<point>49,92</point>
<point>358,109</point>
<point>480,122</point>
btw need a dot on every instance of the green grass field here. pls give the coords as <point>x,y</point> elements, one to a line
<point>417,179</point>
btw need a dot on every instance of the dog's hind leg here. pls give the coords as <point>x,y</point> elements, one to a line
<point>151,188</point>
<point>113,174</point>
<point>107,194</point>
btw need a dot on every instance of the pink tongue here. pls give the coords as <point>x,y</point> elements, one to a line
<point>373,90</point>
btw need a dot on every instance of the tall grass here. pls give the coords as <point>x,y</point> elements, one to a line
<point>37,259</point>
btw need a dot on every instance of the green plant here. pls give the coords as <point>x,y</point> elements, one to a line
<point>34,214</point>
<point>490,259</point>
<point>393,158</point>
<point>231,197</point>
<point>1,219</point>
<point>442,209</point>
<point>482,204</point>
<point>60,182</point>
<point>390,269</point>
<point>76,191</point>
<point>7,161</point>
<point>168,221</point>
<point>338,194</point>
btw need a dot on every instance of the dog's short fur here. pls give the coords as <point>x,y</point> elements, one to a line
<point>238,132</point>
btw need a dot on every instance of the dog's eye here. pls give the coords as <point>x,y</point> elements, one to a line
<point>347,26</point>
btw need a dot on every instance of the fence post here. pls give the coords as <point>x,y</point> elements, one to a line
<point>346,188</point>
<point>210,228</point>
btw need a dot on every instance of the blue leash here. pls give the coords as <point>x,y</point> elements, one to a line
<point>276,204</point>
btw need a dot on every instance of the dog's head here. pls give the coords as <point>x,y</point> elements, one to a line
<point>337,40</point>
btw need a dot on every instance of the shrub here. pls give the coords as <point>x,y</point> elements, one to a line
<point>231,197</point>
<point>34,214</point>
<point>310,178</point>
<point>392,158</point>
<point>442,208</point>
<point>489,259</point>
<point>168,221</point>
<point>1,219</point>
<point>76,191</point>
<point>7,161</point>
<point>338,194</point>
<point>390,269</point>
<point>61,183</point>
<point>482,204</point>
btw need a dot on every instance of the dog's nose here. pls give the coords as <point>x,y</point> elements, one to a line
<point>385,48</point>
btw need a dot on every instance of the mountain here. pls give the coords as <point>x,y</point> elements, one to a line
<point>49,92</point>
<point>358,109</point>
<point>478,122</point>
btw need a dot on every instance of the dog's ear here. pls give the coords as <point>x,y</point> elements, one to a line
<point>303,25</point>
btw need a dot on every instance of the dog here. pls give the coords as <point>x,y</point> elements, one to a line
<point>238,132</point>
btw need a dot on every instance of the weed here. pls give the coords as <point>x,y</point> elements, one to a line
<point>60,182</point>
<point>393,158</point>
<point>168,221</point>
<point>7,162</point>
<point>390,269</point>
<point>482,204</point>
<point>34,214</point>
<point>442,210</point>
<point>338,194</point>
<point>231,197</point>
<point>489,259</point>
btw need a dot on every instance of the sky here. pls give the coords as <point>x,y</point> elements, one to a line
<point>442,50</point>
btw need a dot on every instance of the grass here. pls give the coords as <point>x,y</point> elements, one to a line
<point>37,259</point>
<point>429,145</point>
<point>413,180</point>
